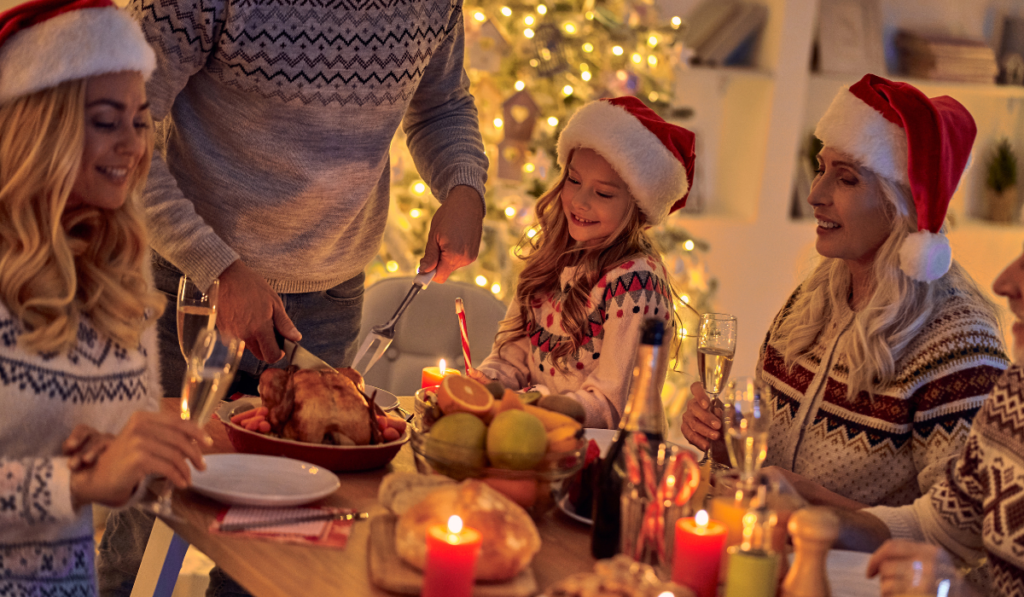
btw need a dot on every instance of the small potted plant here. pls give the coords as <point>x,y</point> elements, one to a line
<point>1002,203</point>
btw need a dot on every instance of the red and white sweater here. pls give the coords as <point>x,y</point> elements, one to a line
<point>977,509</point>
<point>889,449</point>
<point>599,377</point>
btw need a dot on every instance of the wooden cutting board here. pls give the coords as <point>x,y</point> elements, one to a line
<point>392,573</point>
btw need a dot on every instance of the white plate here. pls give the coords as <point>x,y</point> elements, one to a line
<point>563,505</point>
<point>258,480</point>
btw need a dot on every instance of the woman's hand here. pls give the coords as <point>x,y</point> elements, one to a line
<point>699,425</point>
<point>150,444</point>
<point>84,446</point>
<point>906,567</point>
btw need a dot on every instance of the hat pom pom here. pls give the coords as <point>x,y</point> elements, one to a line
<point>925,256</point>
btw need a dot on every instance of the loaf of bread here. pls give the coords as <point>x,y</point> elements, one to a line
<point>400,491</point>
<point>510,539</point>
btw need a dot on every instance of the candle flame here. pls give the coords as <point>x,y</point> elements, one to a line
<point>441,366</point>
<point>454,524</point>
<point>702,518</point>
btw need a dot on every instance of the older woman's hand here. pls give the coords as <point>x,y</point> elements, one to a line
<point>699,425</point>
<point>904,567</point>
<point>150,444</point>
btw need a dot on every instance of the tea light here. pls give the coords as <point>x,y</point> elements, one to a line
<point>697,557</point>
<point>433,376</point>
<point>451,560</point>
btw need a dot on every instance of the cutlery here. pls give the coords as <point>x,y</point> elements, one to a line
<point>243,526</point>
<point>380,336</point>
<point>299,356</point>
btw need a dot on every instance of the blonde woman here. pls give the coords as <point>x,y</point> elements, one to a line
<point>77,344</point>
<point>878,362</point>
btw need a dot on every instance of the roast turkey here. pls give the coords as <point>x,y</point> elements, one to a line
<point>318,406</point>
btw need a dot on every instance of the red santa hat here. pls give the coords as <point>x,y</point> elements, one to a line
<point>654,158</point>
<point>923,143</point>
<point>44,43</point>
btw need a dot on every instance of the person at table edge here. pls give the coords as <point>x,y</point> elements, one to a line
<point>879,360</point>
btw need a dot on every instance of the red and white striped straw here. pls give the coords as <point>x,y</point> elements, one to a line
<point>460,311</point>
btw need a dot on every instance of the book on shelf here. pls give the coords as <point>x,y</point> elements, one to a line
<point>946,58</point>
<point>727,44</point>
<point>707,18</point>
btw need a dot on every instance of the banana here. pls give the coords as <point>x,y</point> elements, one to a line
<point>565,405</point>
<point>561,433</point>
<point>551,419</point>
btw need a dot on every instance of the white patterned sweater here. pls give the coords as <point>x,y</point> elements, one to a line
<point>891,448</point>
<point>46,547</point>
<point>599,378</point>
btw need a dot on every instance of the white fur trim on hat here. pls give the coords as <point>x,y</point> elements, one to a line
<point>852,127</point>
<point>656,178</point>
<point>74,45</point>
<point>925,256</point>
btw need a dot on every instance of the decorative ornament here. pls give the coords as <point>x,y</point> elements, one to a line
<point>486,45</point>
<point>549,50</point>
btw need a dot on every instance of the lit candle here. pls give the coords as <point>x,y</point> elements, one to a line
<point>451,560</point>
<point>432,376</point>
<point>698,554</point>
<point>729,511</point>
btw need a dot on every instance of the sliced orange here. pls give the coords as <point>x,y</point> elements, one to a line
<point>462,394</point>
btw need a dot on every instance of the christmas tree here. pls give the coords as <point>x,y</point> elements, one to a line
<point>531,64</point>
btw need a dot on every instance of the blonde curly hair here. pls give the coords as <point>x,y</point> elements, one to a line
<point>57,267</point>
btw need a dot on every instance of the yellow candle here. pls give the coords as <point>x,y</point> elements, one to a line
<point>432,376</point>
<point>726,510</point>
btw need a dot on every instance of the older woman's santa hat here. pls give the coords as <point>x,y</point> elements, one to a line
<point>47,42</point>
<point>653,157</point>
<point>923,143</point>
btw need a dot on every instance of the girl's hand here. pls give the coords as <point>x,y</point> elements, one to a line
<point>699,425</point>
<point>475,375</point>
<point>84,446</point>
<point>150,444</point>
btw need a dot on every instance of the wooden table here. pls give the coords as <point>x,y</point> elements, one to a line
<point>272,569</point>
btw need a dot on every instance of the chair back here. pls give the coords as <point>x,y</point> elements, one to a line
<point>428,330</point>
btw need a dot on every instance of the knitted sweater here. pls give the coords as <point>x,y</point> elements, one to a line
<point>600,375</point>
<point>978,506</point>
<point>275,118</point>
<point>46,547</point>
<point>890,449</point>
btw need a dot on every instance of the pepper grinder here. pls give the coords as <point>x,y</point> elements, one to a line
<point>813,530</point>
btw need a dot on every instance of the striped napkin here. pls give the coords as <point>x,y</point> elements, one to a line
<point>327,533</point>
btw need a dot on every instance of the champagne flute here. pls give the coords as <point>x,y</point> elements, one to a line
<point>746,427</point>
<point>211,366</point>
<point>197,311</point>
<point>716,347</point>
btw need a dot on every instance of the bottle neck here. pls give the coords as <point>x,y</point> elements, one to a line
<point>644,410</point>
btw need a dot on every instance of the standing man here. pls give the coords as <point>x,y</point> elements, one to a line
<point>272,166</point>
<point>271,173</point>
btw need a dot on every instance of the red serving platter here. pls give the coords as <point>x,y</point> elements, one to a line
<point>335,458</point>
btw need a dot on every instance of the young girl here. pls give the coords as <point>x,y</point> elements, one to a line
<point>77,342</point>
<point>593,275</point>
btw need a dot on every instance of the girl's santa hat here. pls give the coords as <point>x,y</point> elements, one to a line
<point>897,132</point>
<point>653,157</point>
<point>47,42</point>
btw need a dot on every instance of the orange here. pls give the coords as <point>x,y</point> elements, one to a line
<point>520,491</point>
<point>462,394</point>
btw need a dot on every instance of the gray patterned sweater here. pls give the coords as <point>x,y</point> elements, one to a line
<point>46,548</point>
<point>274,122</point>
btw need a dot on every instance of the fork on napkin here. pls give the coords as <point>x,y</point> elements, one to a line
<point>325,526</point>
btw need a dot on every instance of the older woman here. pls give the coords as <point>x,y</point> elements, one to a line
<point>879,360</point>
<point>77,343</point>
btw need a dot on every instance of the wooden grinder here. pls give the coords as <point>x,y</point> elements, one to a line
<point>813,530</point>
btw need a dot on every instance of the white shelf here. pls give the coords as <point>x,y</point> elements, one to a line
<point>931,87</point>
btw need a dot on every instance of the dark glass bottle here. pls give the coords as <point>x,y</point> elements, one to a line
<point>644,413</point>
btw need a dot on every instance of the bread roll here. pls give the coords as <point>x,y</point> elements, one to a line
<point>400,491</point>
<point>510,539</point>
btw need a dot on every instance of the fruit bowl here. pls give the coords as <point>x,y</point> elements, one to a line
<point>334,458</point>
<point>534,489</point>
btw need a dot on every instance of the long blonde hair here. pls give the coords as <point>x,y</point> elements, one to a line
<point>56,267</point>
<point>896,311</point>
<point>552,250</point>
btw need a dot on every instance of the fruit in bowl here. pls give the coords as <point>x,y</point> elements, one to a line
<point>522,450</point>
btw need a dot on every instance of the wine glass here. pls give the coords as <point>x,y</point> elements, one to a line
<point>746,426</point>
<point>716,347</point>
<point>211,366</point>
<point>197,311</point>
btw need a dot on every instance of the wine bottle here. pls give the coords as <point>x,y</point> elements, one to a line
<point>644,413</point>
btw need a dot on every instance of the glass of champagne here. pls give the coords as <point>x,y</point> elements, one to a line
<point>211,366</point>
<point>716,347</point>
<point>746,427</point>
<point>197,311</point>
